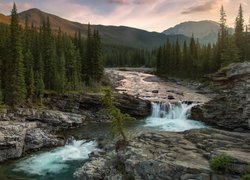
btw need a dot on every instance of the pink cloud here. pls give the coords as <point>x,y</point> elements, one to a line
<point>119,1</point>
<point>144,1</point>
<point>20,6</point>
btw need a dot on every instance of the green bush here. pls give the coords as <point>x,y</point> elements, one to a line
<point>246,177</point>
<point>221,163</point>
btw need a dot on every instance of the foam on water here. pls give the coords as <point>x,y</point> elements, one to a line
<point>168,117</point>
<point>57,160</point>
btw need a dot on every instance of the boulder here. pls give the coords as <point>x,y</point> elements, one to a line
<point>11,140</point>
<point>230,109</point>
<point>134,106</point>
<point>90,105</point>
<point>38,138</point>
<point>169,155</point>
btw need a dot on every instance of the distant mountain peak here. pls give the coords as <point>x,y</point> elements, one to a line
<point>206,31</point>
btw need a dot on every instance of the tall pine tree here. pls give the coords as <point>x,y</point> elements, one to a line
<point>15,90</point>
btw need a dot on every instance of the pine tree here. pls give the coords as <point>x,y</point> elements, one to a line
<point>29,77</point>
<point>239,33</point>
<point>15,90</point>
<point>231,53</point>
<point>88,65</point>
<point>97,57</point>
<point>118,118</point>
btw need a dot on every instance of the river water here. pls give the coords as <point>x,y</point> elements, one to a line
<point>60,163</point>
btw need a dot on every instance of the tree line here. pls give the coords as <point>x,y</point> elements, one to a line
<point>35,59</point>
<point>193,60</point>
<point>121,56</point>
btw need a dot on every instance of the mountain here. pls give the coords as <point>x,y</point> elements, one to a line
<point>4,19</point>
<point>206,31</point>
<point>120,35</point>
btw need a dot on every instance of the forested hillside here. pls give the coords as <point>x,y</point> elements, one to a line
<point>34,61</point>
<point>193,60</point>
<point>112,35</point>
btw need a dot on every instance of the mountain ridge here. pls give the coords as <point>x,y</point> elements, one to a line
<point>206,31</point>
<point>118,35</point>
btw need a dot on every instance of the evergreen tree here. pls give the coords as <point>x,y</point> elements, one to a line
<point>29,77</point>
<point>239,33</point>
<point>88,65</point>
<point>15,90</point>
<point>231,53</point>
<point>97,57</point>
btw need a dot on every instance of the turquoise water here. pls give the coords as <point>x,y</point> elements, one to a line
<point>172,118</point>
<point>57,164</point>
<point>60,163</point>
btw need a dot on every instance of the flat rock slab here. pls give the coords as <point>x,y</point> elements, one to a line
<point>151,87</point>
<point>169,155</point>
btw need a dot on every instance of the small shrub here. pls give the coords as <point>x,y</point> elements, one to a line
<point>246,177</point>
<point>221,163</point>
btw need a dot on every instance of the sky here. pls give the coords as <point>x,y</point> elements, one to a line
<point>151,15</point>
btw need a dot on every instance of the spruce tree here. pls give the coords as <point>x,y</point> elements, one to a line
<point>15,90</point>
<point>29,75</point>
<point>239,33</point>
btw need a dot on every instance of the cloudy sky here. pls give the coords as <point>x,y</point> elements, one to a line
<point>152,15</point>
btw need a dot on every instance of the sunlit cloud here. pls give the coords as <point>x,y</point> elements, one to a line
<point>151,15</point>
<point>203,7</point>
<point>119,1</point>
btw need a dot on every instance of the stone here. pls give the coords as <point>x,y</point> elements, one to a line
<point>90,105</point>
<point>230,109</point>
<point>170,97</point>
<point>38,138</point>
<point>155,91</point>
<point>12,140</point>
<point>170,155</point>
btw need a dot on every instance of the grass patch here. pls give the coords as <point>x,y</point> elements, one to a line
<point>221,163</point>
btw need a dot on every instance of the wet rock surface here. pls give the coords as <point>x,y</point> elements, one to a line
<point>12,137</point>
<point>90,104</point>
<point>153,88</point>
<point>230,109</point>
<point>24,130</point>
<point>38,138</point>
<point>168,155</point>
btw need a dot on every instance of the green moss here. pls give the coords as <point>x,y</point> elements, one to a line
<point>221,163</point>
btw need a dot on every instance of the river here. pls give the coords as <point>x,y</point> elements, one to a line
<point>60,163</point>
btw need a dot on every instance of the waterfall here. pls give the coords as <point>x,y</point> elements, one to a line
<point>169,117</point>
<point>57,160</point>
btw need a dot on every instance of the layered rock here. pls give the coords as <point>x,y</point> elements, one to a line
<point>230,109</point>
<point>12,137</point>
<point>24,130</point>
<point>38,138</point>
<point>17,138</point>
<point>86,104</point>
<point>166,155</point>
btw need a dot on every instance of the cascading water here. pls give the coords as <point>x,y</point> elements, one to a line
<point>60,161</point>
<point>168,117</point>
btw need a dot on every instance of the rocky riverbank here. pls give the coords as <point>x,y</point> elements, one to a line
<point>168,155</point>
<point>155,89</point>
<point>186,155</point>
<point>23,130</point>
<point>230,109</point>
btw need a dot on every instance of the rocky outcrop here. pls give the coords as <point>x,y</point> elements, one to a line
<point>17,138</point>
<point>167,155</point>
<point>38,138</point>
<point>24,130</point>
<point>91,104</point>
<point>134,106</point>
<point>230,109</point>
<point>12,137</point>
